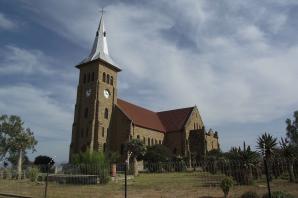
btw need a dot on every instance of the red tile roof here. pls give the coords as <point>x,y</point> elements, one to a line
<point>164,121</point>
<point>174,120</point>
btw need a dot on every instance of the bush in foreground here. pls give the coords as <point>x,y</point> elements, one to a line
<point>250,194</point>
<point>33,174</point>
<point>92,163</point>
<point>278,194</point>
<point>226,184</point>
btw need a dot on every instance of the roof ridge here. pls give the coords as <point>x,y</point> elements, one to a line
<point>137,106</point>
<point>176,109</point>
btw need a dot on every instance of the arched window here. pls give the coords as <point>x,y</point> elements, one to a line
<point>88,77</point>
<point>108,79</point>
<point>106,113</point>
<point>148,141</point>
<point>144,140</point>
<point>138,137</point>
<point>152,142</point>
<point>104,77</point>
<point>159,141</point>
<point>86,113</point>
<point>103,132</point>
<point>84,79</point>
<point>155,141</point>
<point>92,78</point>
<point>194,125</point>
<point>111,80</point>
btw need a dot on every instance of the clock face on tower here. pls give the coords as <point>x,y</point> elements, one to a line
<point>88,92</point>
<point>106,93</point>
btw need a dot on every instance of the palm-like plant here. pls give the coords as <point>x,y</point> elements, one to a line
<point>266,143</point>
<point>288,151</point>
<point>247,159</point>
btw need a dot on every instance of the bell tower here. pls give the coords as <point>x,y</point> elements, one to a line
<point>96,97</point>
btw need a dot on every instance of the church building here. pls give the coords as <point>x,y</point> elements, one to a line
<point>104,122</point>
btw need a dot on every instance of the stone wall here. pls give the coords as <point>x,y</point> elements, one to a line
<point>148,136</point>
<point>212,142</point>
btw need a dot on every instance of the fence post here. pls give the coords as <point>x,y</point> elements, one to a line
<point>267,177</point>
<point>125,179</point>
<point>46,187</point>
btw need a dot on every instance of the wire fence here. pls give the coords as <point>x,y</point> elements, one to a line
<point>90,180</point>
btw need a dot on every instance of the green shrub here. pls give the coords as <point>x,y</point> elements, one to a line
<point>226,184</point>
<point>250,194</point>
<point>278,194</point>
<point>92,163</point>
<point>33,174</point>
<point>158,153</point>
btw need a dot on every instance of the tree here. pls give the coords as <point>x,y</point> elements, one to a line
<point>246,159</point>
<point>13,158</point>
<point>292,129</point>
<point>44,162</point>
<point>158,153</point>
<point>288,151</point>
<point>135,150</point>
<point>14,138</point>
<point>266,143</point>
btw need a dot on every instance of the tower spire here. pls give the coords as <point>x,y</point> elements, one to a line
<point>100,47</point>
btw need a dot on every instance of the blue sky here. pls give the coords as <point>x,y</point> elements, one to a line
<point>236,60</point>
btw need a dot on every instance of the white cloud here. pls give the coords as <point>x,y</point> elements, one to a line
<point>17,60</point>
<point>46,117</point>
<point>232,67</point>
<point>6,23</point>
<point>234,75</point>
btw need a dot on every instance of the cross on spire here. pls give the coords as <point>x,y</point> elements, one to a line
<point>102,11</point>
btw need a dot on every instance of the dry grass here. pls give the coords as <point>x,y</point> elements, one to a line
<point>145,185</point>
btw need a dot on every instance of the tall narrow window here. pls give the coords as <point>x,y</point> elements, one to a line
<point>122,149</point>
<point>106,113</point>
<point>86,113</point>
<point>111,80</point>
<point>144,140</point>
<point>104,147</point>
<point>88,77</point>
<point>148,141</point>
<point>155,141</point>
<point>152,143</point>
<point>175,151</point>
<point>108,79</point>
<point>159,141</point>
<point>194,125</point>
<point>104,77</point>
<point>84,79</point>
<point>92,77</point>
<point>103,132</point>
<point>138,137</point>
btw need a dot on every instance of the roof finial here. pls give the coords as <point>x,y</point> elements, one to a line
<point>102,11</point>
